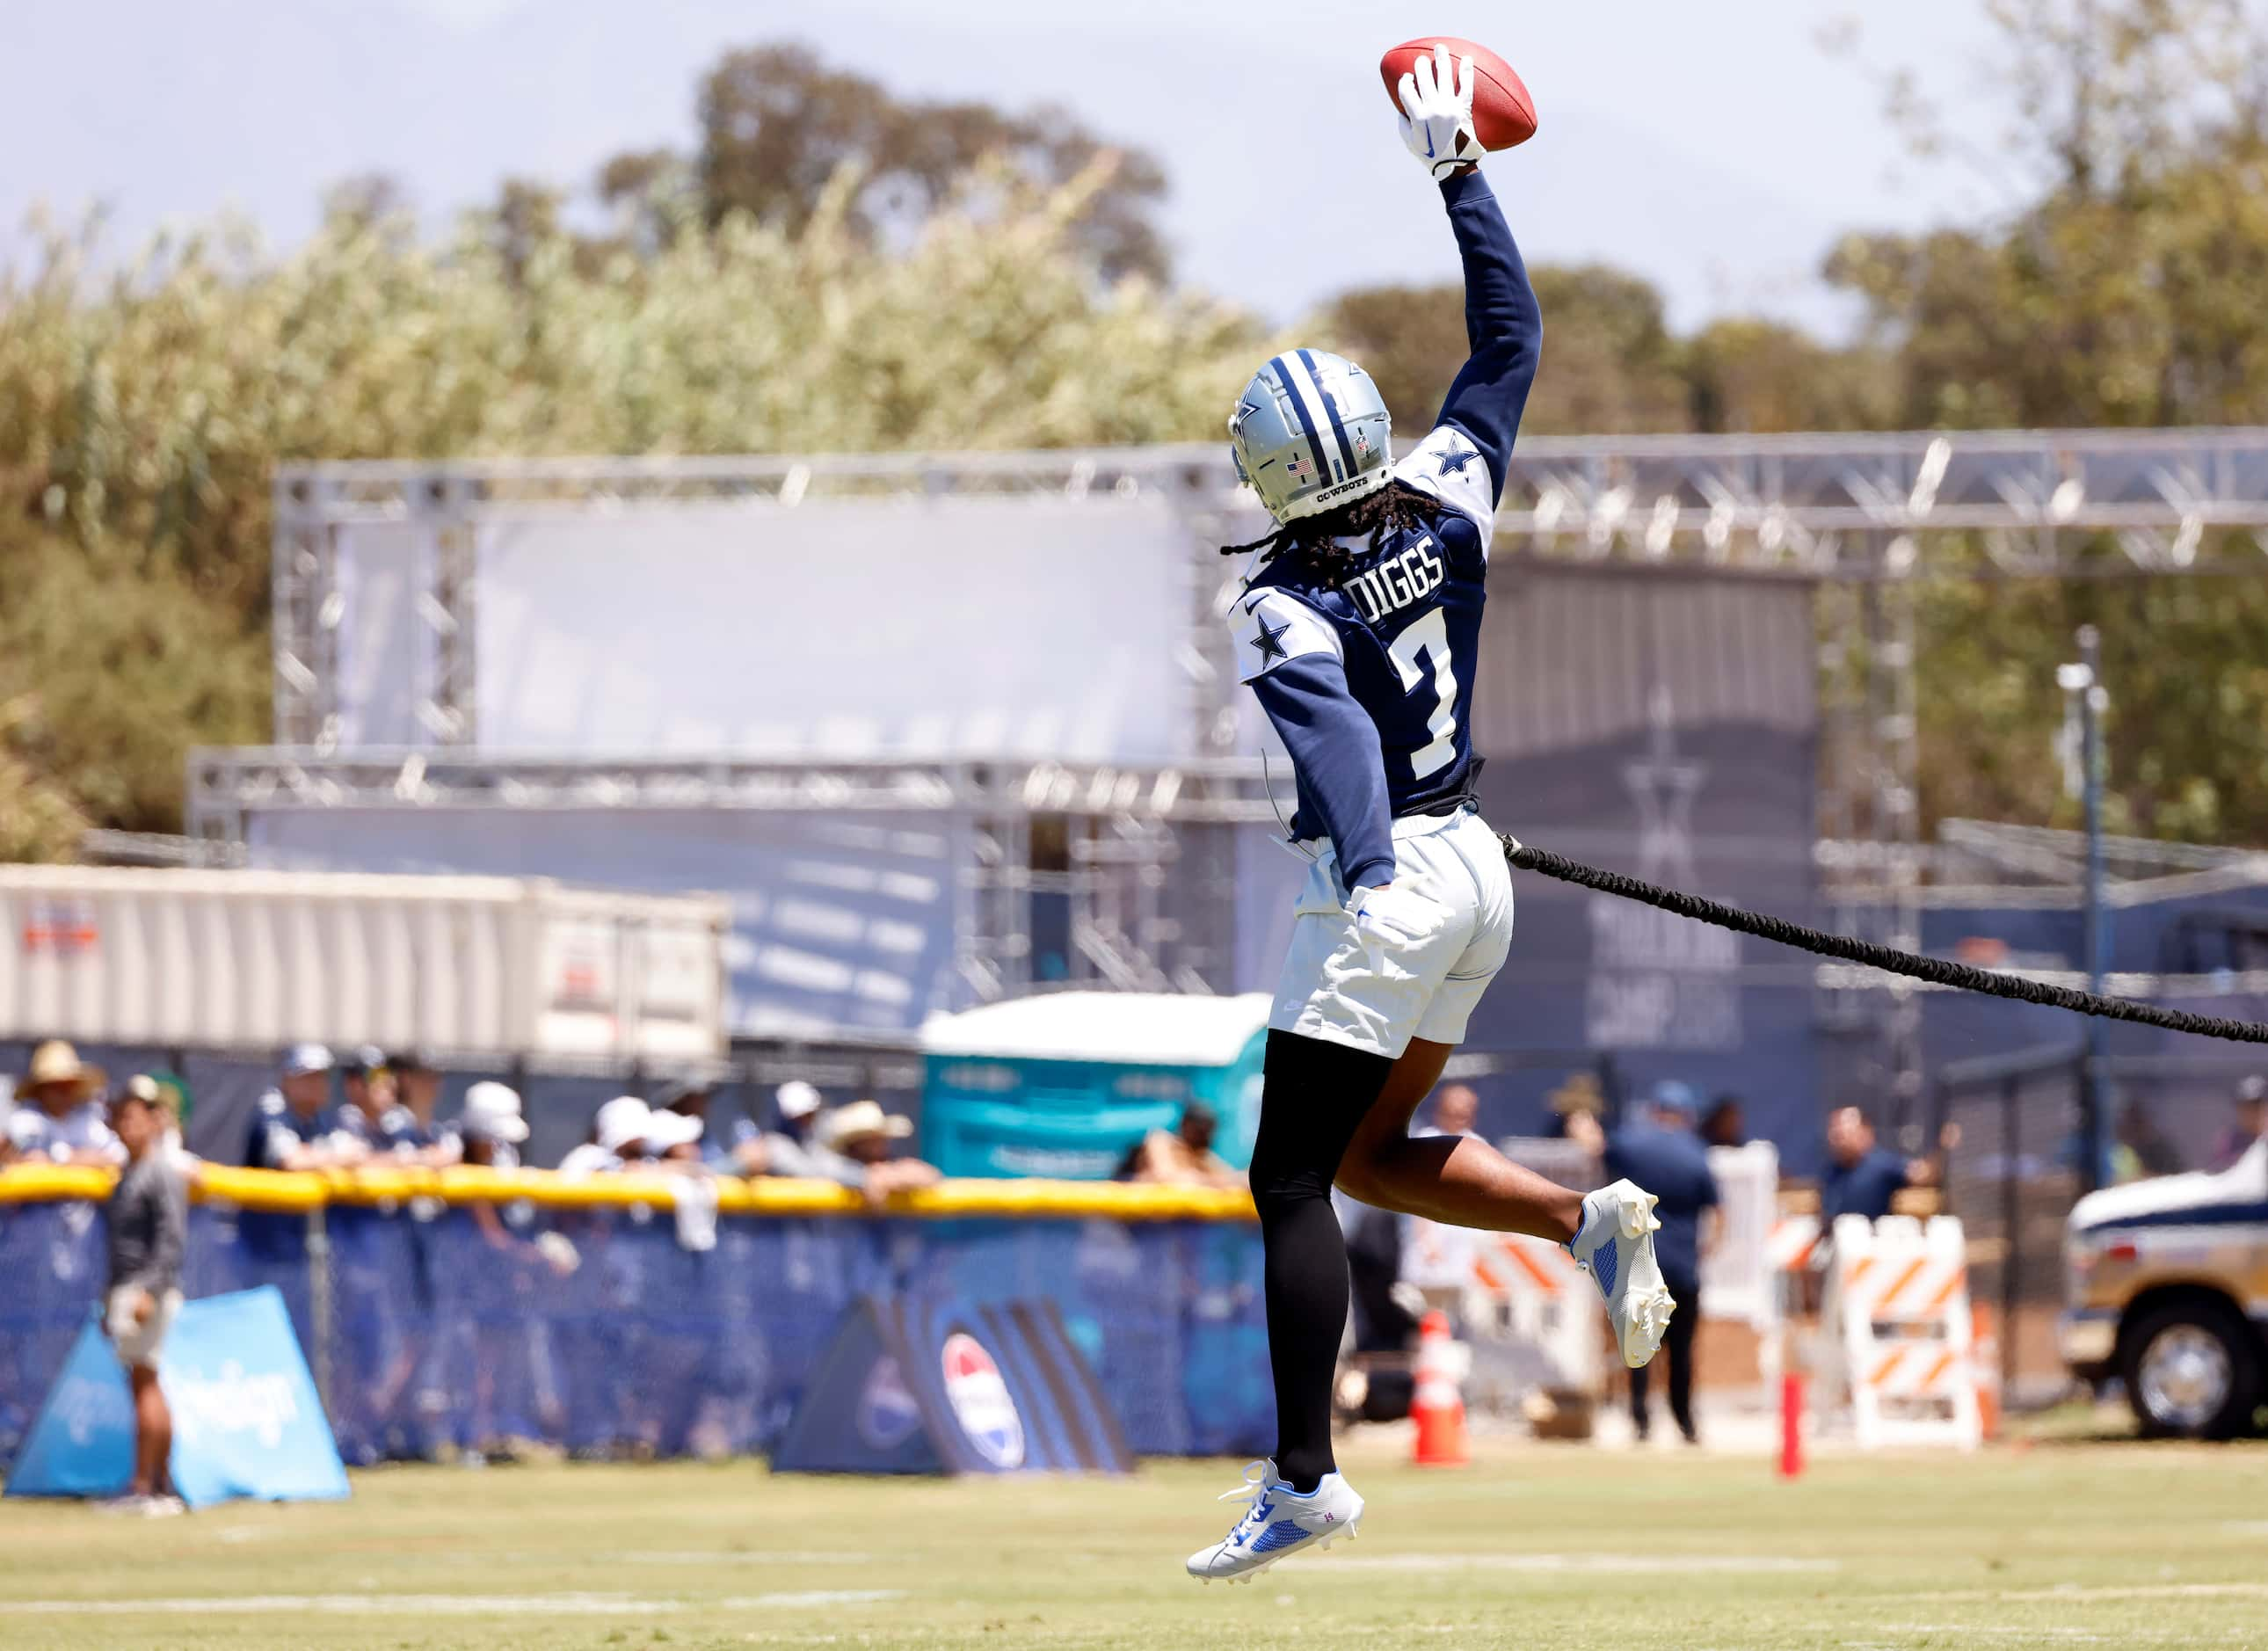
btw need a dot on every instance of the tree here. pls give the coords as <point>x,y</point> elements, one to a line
<point>1609,361</point>
<point>2126,292</point>
<point>777,124</point>
<point>1759,377</point>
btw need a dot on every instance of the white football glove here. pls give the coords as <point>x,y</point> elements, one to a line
<point>1436,114</point>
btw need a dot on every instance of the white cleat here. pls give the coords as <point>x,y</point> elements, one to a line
<point>1615,1247</point>
<point>1277,1523</point>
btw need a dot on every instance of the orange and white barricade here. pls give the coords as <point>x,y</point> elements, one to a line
<point>1900,1346</point>
<point>1529,1293</point>
<point>1792,1244</point>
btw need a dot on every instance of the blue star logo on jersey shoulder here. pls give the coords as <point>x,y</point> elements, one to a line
<point>1454,461</point>
<point>1269,640</point>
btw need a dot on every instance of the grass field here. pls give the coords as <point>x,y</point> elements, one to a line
<point>1564,1550</point>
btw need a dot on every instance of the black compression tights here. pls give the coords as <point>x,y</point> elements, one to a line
<point>1313,1095</point>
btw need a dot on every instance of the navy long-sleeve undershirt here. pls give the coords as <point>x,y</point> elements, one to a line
<point>1504,326</point>
<point>1336,752</point>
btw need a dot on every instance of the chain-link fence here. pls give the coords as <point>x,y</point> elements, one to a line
<point>2022,1161</point>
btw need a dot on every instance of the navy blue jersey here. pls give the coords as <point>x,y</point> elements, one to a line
<point>1865,1188</point>
<point>1673,1165</point>
<point>1368,676</point>
<point>277,1129</point>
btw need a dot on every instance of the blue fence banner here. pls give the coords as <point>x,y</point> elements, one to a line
<point>914,1386</point>
<point>82,1443</point>
<point>247,1420</point>
<point>489,1329</point>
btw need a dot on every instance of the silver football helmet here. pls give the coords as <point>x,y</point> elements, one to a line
<point>1311,433</point>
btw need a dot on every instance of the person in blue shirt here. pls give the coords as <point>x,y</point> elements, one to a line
<point>1862,1177</point>
<point>1661,1151</point>
<point>1358,630</point>
<point>292,1122</point>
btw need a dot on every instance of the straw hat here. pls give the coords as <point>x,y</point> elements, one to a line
<point>858,1120</point>
<point>56,1064</point>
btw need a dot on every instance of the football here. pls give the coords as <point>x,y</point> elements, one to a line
<point>1502,113</point>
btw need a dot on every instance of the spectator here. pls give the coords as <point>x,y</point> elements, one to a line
<point>1861,1177</point>
<point>59,1114</point>
<point>861,1133</point>
<point>369,1090</point>
<point>292,1127</point>
<point>1182,1156</point>
<point>674,1139</point>
<point>2248,1126</point>
<point>1580,1096</point>
<point>503,1326</point>
<point>618,1139</point>
<point>2141,1150</point>
<point>1662,1153</point>
<point>1726,1122</point>
<point>407,1129</point>
<point>149,1221</point>
<point>692,1098</point>
<point>791,1148</point>
<point>1454,1109</point>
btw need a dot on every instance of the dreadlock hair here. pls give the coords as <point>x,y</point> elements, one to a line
<point>1314,540</point>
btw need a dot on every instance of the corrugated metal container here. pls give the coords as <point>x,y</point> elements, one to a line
<point>241,959</point>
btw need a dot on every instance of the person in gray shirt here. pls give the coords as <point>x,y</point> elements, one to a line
<point>149,1223</point>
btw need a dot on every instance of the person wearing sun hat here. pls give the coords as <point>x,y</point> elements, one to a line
<point>619,1134</point>
<point>861,1134</point>
<point>59,1115</point>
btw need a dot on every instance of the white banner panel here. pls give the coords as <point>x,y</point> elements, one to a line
<point>1017,627</point>
<point>387,654</point>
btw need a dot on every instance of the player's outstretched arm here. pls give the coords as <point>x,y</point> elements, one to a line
<point>1504,328</point>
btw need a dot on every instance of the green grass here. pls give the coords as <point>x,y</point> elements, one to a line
<point>2104,1544</point>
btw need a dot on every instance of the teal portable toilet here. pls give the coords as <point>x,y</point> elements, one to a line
<point>1064,1084</point>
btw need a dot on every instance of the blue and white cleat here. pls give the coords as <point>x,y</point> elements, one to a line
<point>1615,1247</point>
<point>1279,1522</point>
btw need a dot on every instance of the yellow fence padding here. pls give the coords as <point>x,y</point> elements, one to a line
<point>302,1190</point>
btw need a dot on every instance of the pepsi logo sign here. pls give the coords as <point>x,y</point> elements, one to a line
<point>981,1401</point>
<point>886,1416</point>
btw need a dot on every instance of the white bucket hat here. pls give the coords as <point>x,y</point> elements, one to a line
<point>492,1112</point>
<point>623,1121</point>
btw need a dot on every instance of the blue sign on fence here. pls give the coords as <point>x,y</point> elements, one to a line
<point>247,1420</point>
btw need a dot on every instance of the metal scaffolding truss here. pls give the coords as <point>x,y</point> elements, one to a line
<point>227,786</point>
<point>1867,515</point>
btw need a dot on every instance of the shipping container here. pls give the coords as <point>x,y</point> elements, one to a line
<point>255,959</point>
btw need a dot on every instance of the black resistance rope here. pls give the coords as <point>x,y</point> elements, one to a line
<point>1935,971</point>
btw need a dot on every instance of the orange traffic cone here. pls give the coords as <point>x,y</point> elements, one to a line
<point>1436,1405</point>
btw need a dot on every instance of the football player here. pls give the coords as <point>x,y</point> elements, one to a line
<point>1359,631</point>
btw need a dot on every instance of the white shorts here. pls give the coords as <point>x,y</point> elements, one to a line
<point>140,1346</point>
<point>1420,961</point>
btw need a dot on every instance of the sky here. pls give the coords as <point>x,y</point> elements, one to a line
<point>1716,149</point>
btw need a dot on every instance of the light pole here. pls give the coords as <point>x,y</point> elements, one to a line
<point>2082,683</point>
